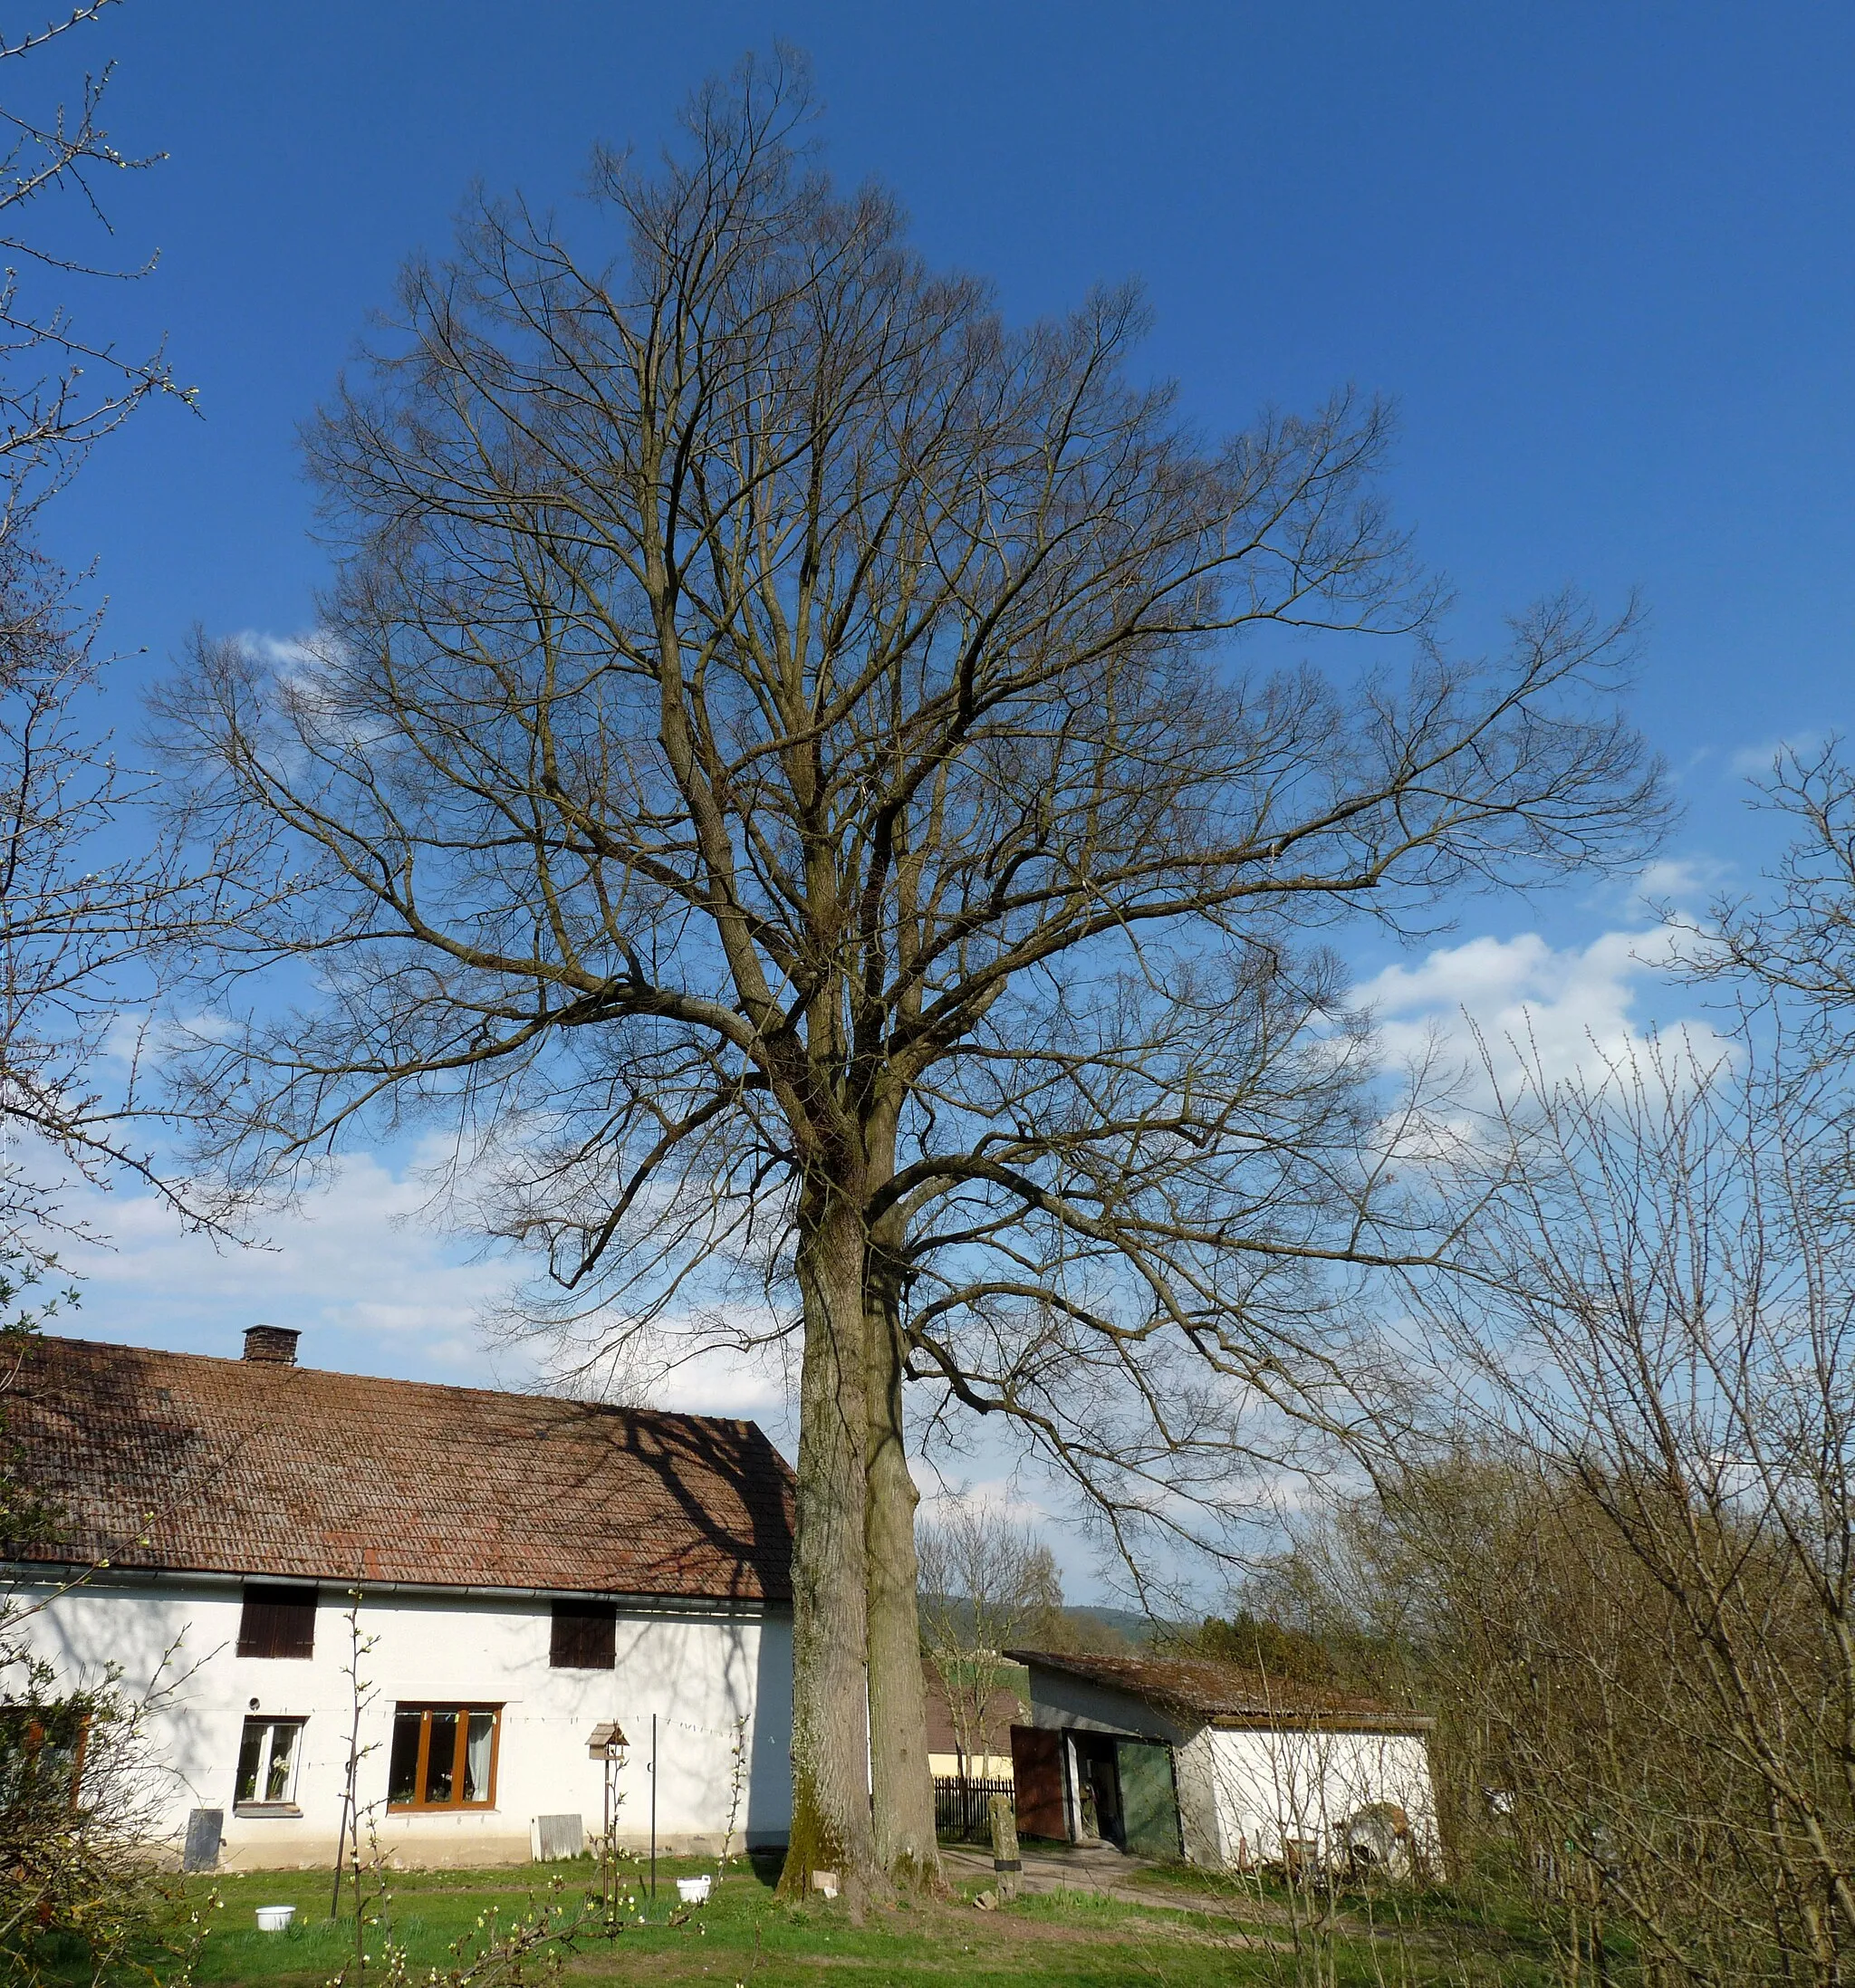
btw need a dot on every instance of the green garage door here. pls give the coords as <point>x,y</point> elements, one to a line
<point>1149,1805</point>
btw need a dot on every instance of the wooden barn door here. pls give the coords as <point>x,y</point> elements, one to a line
<point>1036,1766</point>
<point>1149,1800</point>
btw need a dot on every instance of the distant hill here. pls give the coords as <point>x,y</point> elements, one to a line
<point>1137,1627</point>
<point>1089,1626</point>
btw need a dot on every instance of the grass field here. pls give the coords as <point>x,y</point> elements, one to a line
<point>1193,1934</point>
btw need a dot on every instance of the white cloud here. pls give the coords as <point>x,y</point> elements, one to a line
<point>1753,761</point>
<point>375,1286</point>
<point>1565,1010</point>
<point>719,1380</point>
<point>136,1037</point>
<point>286,654</point>
<point>757,1382</point>
<point>372,1286</point>
<point>1003,1496</point>
<point>1079,1561</point>
<point>1679,879</point>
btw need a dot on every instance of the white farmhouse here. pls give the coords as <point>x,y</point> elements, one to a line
<point>1171,1757</point>
<point>505,1572</point>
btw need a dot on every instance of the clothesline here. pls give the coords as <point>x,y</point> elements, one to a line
<point>665,1724</point>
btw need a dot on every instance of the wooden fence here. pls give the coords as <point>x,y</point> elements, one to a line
<point>960,1811</point>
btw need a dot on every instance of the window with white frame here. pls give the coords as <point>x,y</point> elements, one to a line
<point>267,1758</point>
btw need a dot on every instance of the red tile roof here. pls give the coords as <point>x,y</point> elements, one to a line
<point>1224,1694</point>
<point>176,1460</point>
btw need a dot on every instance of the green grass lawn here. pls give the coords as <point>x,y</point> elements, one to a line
<point>1191,1936</point>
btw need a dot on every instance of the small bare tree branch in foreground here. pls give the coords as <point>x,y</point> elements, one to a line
<point>84,919</point>
<point>986,1585</point>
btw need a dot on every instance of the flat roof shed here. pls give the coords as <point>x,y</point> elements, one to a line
<point>1180,1757</point>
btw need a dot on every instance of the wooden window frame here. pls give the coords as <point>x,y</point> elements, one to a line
<point>567,1631</point>
<point>263,1616</point>
<point>418,1805</point>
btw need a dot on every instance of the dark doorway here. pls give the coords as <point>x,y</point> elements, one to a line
<point>1098,1788</point>
<point>1125,1794</point>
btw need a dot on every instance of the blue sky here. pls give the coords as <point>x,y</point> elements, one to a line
<point>1600,253</point>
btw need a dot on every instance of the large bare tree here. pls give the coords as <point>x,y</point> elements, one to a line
<point>777,775</point>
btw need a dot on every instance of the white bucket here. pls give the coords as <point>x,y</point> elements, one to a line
<point>274,1918</point>
<point>694,1891</point>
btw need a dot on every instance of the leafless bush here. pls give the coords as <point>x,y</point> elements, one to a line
<point>1618,1559</point>
<point>83,1791</point>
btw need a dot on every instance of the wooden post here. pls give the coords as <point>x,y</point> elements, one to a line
<point>605,1840</point>
<point>609,1747</point>
<point>1005,1862</point>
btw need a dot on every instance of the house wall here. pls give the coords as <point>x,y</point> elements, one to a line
<point>978,1767</point>
<point>698,1671</point>
<point>1269,1786</point>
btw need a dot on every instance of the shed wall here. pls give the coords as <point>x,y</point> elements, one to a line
<point>1059,1699</point>
<point>1195,1771</point>
<point>1269,1786</point>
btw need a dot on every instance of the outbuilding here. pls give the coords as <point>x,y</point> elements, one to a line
<point>438,1606</point>
<point>1174,1758</point>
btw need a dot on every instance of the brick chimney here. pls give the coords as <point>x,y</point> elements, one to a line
<point>275,1345</point>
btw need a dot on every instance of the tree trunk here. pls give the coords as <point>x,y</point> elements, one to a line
<point>831,1732</point>
<point>904,1789</point>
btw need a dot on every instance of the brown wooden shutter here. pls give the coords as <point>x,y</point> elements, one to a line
<point>585,1636</point>
<point>277,1622</point>
<point>1036,1765</point>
